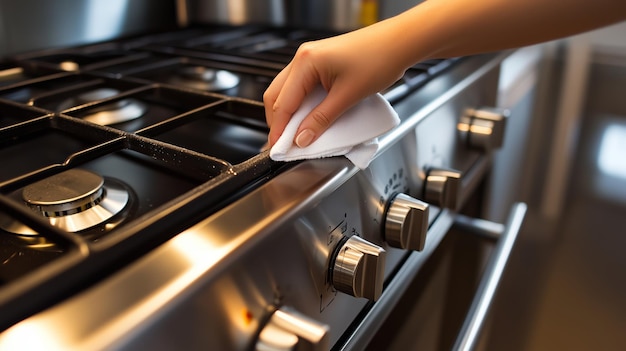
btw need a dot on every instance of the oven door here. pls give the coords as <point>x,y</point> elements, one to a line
<point>442,303</point>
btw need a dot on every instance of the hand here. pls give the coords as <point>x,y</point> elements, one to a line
<point>350,67</point>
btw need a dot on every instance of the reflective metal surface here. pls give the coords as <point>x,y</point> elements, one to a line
<point>288,329</point>
<point>73,22</point>
<point>68,192</point>
<point>328,14</point>
<point>198,257</point>
<point>230,272</point>
<point>406,223</point>
<point>203,78</point>
<point>443,187</point>
<point>483,128</point>
<point>472,326</point>
<point>338,15</point>
<point>358,268</point>
<point>117,112</point>
<point>10,73</point>
<point>87,97</point>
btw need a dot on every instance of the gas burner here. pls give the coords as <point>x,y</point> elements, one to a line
<point>112,113</point>
<point>204,78</point>
<point>73,200</point>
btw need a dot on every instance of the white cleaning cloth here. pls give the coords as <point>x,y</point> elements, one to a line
<point>354,134</point>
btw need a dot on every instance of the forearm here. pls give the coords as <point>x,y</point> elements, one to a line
<point>448,28</point>
<point>357,64</point>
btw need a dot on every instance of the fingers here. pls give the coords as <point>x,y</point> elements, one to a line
<point>281,104</point>
<point>286,93</point>
<point>269,100</point>
<point>346,76</point>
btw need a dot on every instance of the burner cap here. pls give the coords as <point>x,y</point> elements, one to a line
<point>73,200</point>
<point>106,114</point>
<point>204,78</point>
<point>66,193</point>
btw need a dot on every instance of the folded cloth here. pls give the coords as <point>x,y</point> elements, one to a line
<point>354,134</point>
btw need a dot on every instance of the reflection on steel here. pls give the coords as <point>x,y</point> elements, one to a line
<point>204,78</point>
<point>10,73</point>
<point>287,327</point>
<point>117,112</point>
<point>69,66</point>
<point>109,113</point>
<point>406,223</point>
<point>87,97</point>
<point>358,269</point>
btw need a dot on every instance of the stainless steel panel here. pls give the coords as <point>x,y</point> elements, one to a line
<point>443,101</point>
<point>39,24</point>
<point>327,14</point>
<point>432,109</point>
<point>237,12</point>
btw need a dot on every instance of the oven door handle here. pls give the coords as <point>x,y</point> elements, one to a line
<point>506,235</point>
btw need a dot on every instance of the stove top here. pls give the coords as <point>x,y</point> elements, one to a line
<point>109,150</point>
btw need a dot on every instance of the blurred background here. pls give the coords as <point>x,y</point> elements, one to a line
<point>565,285</point>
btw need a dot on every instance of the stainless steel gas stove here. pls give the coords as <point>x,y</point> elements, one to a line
<point>137,210</point>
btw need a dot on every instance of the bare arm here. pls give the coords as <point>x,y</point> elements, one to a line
<point>355,65</point>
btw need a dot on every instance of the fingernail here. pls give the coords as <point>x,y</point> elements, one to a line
<point>305,138</point>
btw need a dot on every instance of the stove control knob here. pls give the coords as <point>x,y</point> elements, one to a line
<point>443,188</point>
<point>406,223</point>
<point>287,329</point>
<point>358,268</point>
<point>483,128</point>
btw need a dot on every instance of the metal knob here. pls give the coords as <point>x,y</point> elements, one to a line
<point>483,128</point>
<point>287,329</point>
<point>406,223</point>
<point>358,268</point>
<point>443,188</point>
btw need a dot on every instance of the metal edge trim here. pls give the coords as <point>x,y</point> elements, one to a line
<point>481,303</point>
